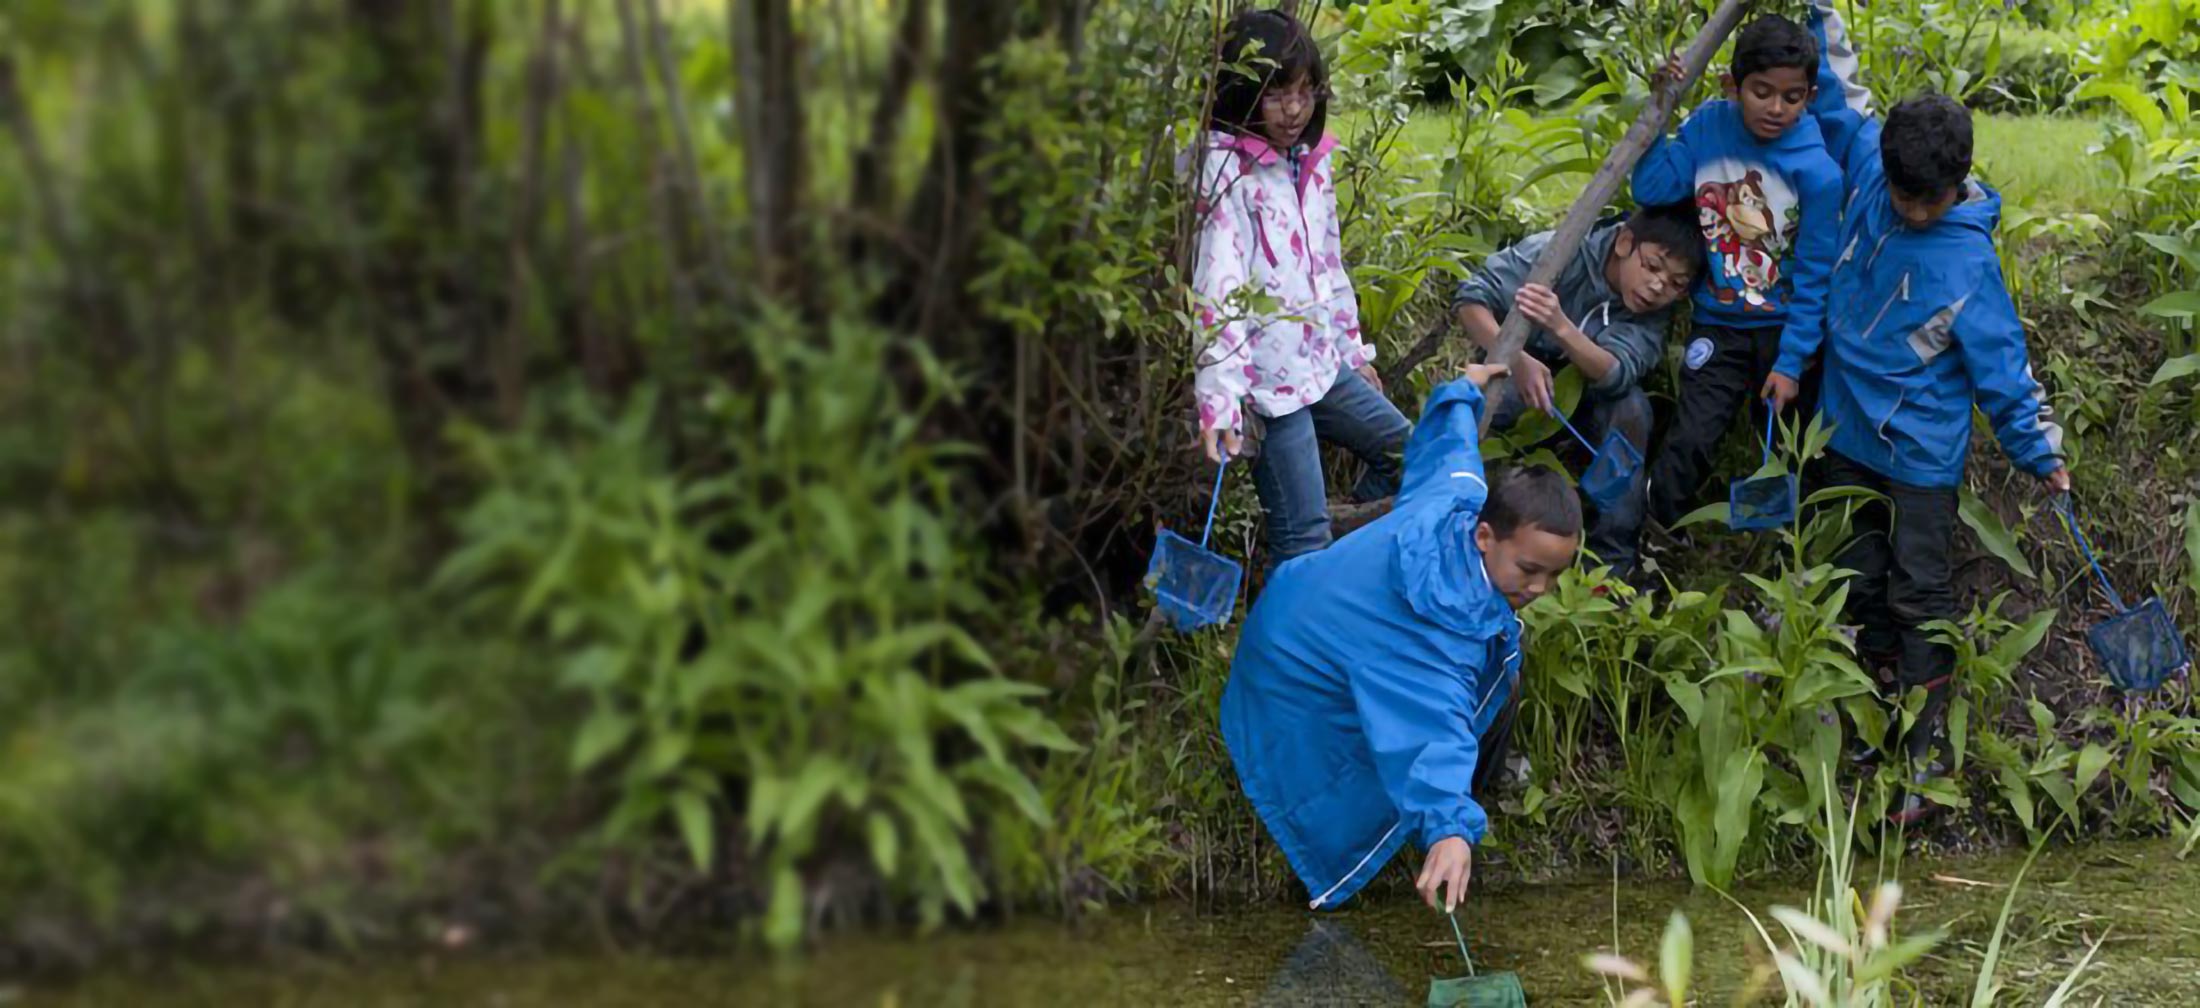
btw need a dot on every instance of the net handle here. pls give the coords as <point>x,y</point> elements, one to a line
<point>1772,416</point>
<point>2068,510</point>
<point>1214,499</point>
<point>1571,429</point>
<point>1462,938</point>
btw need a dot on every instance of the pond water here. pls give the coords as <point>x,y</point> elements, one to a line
<point>2140,895</point>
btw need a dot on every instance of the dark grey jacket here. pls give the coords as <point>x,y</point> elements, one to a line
<point>1636,340</point>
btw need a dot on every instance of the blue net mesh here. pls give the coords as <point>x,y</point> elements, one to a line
<point>1196,587</point>
<point>2139,647</point>
<point>1484,990</point>
<point>1761,502</point>
<point>1611,472</point>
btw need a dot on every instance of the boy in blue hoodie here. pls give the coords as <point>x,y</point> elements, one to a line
<point>1768,200</point>
<point>1606,315</point>
<point>1367,700</point>
<point>1919,330</point>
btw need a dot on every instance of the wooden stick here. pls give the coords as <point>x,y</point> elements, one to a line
<point>1513,335</point>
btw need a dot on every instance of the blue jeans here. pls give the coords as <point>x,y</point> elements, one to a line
<point>1288,472</point>
<point>1614,533</point>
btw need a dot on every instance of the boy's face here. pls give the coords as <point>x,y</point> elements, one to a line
<point>1921,212</point>
<point>1524,565</point>
<point>1648,276</point>
<point>1771,100</point>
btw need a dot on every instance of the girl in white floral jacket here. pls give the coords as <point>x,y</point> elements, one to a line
<point>1278,322</point>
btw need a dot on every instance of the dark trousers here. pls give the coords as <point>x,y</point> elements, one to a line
<point>1494,747</point>
<point>1900,554</point>
<point>1730,369</point>
<point>1287,474</point>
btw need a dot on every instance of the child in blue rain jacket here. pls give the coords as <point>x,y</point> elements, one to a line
<point>1919,330</point>
<point>1369,674</point>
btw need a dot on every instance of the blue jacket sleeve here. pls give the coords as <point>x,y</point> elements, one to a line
<point>1843,104</point>
<point>1817,241</point>
<point>1444,455</point>
<point>1991,339</point>
<point>1419,728</point>
<point>1667,171</point>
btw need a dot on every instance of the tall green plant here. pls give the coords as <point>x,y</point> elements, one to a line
<point>780,647</point>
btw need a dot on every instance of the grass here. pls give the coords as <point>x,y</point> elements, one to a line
<point>2037,161</point>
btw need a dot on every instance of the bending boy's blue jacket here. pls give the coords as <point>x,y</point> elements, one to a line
<point>1769,212</point>
<point>1366,673</point>
<point>1634,341</point>
<point>1919,326</point>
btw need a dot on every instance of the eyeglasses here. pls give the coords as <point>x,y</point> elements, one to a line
<point>1299,95</point>
<point>1663,268</point>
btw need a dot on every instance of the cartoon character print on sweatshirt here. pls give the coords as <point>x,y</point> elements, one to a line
<point>1748,218</point>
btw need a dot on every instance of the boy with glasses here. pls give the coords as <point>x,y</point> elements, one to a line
<point>1607,316</point>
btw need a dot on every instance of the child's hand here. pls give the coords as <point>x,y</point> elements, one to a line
<point>1216,442</point>
<point>1480,374</point>
<point>1532,379</point>
<point>1449,866</point>
<point>1672,71</point>
<point>1367,372</point>
<point>1779,390</point>
<point>1540,305</point>
<point>2058,481</point>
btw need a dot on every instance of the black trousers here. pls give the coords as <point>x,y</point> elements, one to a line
<point>1730,366</point>
<point>1901,556</point>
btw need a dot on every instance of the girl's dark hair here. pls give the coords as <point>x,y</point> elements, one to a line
<point>1277,50</point>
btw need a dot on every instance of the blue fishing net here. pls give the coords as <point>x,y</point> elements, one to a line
<point>1611,472</point>
<point>1762,502</point>
<point>2139,646</point>
<point>1194,586</point>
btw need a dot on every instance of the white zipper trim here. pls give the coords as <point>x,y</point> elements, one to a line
<point>1324,898</point>
<point>1901,293</point>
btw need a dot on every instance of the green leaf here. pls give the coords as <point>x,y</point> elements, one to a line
<point>2175,245</point>
<point>603,733</point>
<point>692,809</point>
<point>2175,368</point>
<point>2091,761</point>
<point>1570,166</point>
<point>885,842</point>
<point>2133,101</point>
<point>1676,956</point>
<point>1831,494</point>
<point>2192,545</point>
<point>2179,304</point>
<point>1995,536</point>
<point>783,915</point>
<point>1708,513</point>
<point>2017,643</point>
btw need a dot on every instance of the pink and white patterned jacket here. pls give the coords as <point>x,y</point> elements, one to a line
<point>1260,226</point>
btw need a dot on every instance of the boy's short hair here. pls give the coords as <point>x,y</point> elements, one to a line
<point>1772,42</point>
<point>1523,496</point>
<point>1673,227</point>
<point>1925,145</point>
<point>1278,50</point>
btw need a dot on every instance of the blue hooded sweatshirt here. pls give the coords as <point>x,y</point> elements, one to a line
<point>1366,673</point>
<point>1769,210</point>
<point>1919,325</point>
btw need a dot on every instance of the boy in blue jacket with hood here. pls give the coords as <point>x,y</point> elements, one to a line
<point>1371,678</point>
<point>1919,330</point>
<point>1768,200</point>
